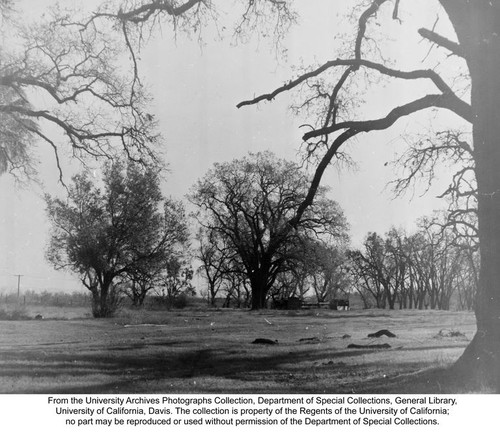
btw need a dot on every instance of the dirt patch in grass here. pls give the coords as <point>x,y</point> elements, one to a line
<point>211,351</point>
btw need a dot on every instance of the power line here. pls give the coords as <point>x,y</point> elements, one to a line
<point>18,284</point>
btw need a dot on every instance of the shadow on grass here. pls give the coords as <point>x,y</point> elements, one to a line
<point>136,367</point>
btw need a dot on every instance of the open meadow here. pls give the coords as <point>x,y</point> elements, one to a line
<point>212,351</point>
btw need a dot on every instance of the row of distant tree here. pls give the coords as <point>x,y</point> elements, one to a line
<point>422,270</point>
<point>45,298</point>
<point>251,246</point>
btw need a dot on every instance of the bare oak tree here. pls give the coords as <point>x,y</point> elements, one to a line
<point>478,44</point>
<point>61,83</point>
<point>249,202</point>
<point>423,159</point>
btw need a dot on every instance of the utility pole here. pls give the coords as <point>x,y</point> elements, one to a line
<point>18,285</point>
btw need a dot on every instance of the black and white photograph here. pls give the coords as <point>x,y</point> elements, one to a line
<point>250,197</point>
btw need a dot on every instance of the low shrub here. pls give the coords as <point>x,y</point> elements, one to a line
<point>165,302</point>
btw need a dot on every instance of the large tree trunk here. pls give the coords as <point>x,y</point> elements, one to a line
<point>104,299</point>
<point>477,25</point>
<point>260,287</point>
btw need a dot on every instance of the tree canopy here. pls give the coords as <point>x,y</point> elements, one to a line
<point>124,231</point>
<point>63,84</point>
<point>249,204</point>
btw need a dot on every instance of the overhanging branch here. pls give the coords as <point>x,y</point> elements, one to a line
<point>429,101</point>
<point>325,161</point>
<point>391,72</point>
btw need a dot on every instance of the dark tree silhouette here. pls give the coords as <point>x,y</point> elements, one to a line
<point>249,202</point>
<point>216,261</point>
<point>125,232</point>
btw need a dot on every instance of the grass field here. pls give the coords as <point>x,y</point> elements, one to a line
<point>211,351</point>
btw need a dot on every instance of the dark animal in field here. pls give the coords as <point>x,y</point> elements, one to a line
<point>369,346</point>
<point>313,339</point>
<point>39,316</point>
<point>382,333</point>
<point>264,341</point>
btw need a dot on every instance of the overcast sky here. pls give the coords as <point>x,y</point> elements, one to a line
<point>196,89</point>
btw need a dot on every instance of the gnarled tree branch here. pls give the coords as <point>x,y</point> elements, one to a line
<point>436,38</point>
